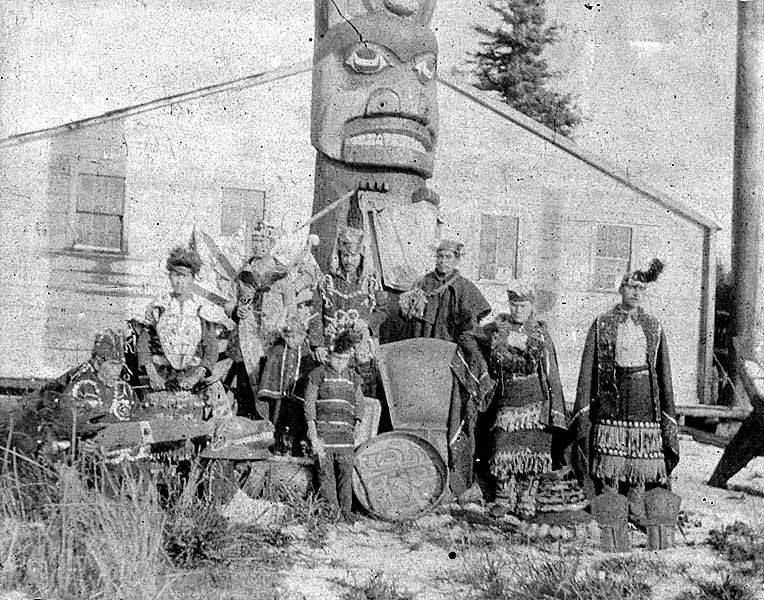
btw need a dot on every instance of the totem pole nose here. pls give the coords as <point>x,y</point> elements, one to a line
<point>383,101</point>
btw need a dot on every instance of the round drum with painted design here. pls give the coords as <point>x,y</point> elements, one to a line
<point>399,476</point>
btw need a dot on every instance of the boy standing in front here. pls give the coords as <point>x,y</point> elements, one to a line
<point>333,410</point>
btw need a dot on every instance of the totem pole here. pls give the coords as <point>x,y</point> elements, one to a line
<point>375,126</point>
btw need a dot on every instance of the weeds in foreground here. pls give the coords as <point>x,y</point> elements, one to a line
<point>641,567</point>
<point>525,578</point>
<point>741,545</point>
<point>377,587</point>
<point>311,512</point>
<point>196,532</point>
<point>68,540</point>
<point>730,587</point>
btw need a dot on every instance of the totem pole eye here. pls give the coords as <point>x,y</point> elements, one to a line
<point>425,65</point>
<point>366,60</point>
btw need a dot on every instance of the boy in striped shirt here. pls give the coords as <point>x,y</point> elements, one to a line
<point>333,410</point>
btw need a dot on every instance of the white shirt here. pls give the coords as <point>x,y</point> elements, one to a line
<point>630,345</point>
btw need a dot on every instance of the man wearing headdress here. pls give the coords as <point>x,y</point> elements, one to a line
<point>178,345</point>
<point>624,421</point>
<point>263,296</point>
<point>528,405</point>
<point>349,299</point>
<point>95,395</point>
<point>446,305</point>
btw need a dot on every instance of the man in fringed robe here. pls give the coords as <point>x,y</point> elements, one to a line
<point>624,422</point>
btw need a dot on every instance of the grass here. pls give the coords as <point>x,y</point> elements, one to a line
<point>741,545</point>
<point>86,531</point>
<point>731,586</point>
<point>553,578</point>
<point>311,511</point>
<point>66,539</point>
<point>377,586</point>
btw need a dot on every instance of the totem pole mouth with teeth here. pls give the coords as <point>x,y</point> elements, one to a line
<point>375,127</point>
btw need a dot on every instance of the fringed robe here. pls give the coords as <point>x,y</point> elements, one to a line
<point>528,400</point>
<point>632,440</point>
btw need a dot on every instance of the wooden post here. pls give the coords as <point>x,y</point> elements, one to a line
<point>748,177</point>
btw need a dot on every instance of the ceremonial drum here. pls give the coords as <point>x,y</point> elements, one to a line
<point>399,476</point>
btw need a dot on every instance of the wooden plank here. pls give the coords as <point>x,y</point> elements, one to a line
<point>712,411</point>
<point>705,437</point>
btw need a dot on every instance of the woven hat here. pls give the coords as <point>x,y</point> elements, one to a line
<point>451,246</point>
<point>520,291</point>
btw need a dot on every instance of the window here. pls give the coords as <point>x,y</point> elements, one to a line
<point>240,207</point>
<point>612,256</point>
<point>498,247</point>
<point>100,212</point>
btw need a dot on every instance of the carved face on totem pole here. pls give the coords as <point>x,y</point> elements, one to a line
<point>374,89</point>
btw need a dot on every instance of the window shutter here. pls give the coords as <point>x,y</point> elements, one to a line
<point>612,256</point>
<point>506,250</point>
<point>488,242</point>
<point>100,211</point>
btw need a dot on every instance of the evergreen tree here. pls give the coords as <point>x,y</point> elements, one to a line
<point>510,62</point>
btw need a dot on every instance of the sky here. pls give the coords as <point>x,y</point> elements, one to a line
<point>655,79</point>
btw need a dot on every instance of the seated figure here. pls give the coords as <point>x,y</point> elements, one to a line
<point>178,345</point>
<point>94,396</point>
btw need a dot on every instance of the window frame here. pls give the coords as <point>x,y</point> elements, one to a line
<point>515,267</point>
<point>595,258</point>
<point>77,172</point>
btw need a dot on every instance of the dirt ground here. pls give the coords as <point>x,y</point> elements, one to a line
<point>429,558</point>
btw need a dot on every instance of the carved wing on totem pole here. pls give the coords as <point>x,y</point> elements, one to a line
<point>374,124</point>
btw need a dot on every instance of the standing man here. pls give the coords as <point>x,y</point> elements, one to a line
<point>624,422</point>
<point>270,274</point>
<point>444,304</point>
<point>264,295</point>
<point>349,299</point>
<point>447,306</point>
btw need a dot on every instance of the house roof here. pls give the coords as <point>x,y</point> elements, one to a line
<point>505,111</point>
<point>465,89</point>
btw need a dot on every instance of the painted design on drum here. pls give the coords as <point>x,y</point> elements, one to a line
<point>398,478</point>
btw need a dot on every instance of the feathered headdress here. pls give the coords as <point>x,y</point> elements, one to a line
<point>184,258</point>
<point>346,341</point>
<point>647,276</point>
